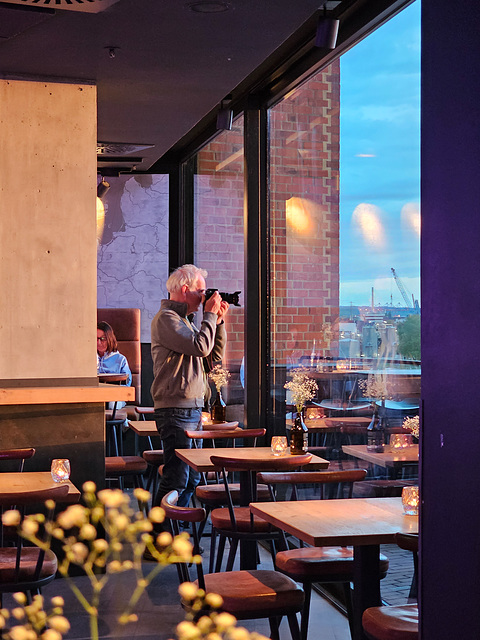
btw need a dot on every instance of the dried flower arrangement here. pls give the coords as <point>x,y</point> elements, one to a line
<point>301,387</point>
<point>126,533</point>
<point>413,425</point>
<point>219,376</point>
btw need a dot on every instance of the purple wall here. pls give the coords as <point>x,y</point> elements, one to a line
<point>450,522</point>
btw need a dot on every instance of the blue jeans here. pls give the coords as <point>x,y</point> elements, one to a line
<point>177,475</point>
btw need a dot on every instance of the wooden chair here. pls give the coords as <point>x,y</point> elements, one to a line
<point>212,495</point>
<point>308,565</point>
<point>238,523</point>
<point>119,467</point>
<point>399,622</point>
<point>247,595</point>
<point>24,568</point>
<point>409,542</point>
<point>18,455</point>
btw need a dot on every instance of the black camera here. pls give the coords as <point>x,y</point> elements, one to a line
<point>231,298</point>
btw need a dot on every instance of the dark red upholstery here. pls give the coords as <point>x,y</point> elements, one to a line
<point>391,622</point>
<point>126,326</point>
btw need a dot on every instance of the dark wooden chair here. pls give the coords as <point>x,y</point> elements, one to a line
<point>212,495</point>
<point>25,568</point>
<point>409,542</point>
<point>247,595</point>
<point>399,622</point>
<point>309,565</point>
<point>238,523</point>
<point>17,455</point>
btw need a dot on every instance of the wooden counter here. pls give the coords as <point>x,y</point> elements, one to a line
<point>65,395</point>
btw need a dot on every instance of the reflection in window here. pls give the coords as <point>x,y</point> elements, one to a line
<point>345,223</point>
<point>219,241</point>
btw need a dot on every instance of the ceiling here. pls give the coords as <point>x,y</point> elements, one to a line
<point>160,65</point>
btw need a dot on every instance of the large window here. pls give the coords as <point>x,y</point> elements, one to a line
<point>219,246</point>
<point>345,225</point>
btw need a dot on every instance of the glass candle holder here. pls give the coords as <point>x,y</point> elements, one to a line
<point>60,469</point>
<point>279,445</point>
<point>410,500</point>
<point>400,440</point>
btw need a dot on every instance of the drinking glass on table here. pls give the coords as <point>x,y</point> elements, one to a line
<point>60,469</point>
<point>279,445</point>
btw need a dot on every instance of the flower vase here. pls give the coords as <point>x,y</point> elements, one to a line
<point>218,409</point>
<point>298,435</point>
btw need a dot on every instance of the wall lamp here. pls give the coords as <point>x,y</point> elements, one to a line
<point>102,188</point>
<point>225,115</point>
<point>327,31</point>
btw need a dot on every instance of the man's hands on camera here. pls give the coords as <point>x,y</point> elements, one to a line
<point>214,303</point>
<point>223,310</point>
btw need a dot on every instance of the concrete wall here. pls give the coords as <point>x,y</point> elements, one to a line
<point>47,230</point>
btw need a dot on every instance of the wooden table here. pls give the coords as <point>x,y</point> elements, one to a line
<point>13,482</point>
<point>393,458</point>
<point>364,523</point>
<point>148,428</point>
<point>199,459</point>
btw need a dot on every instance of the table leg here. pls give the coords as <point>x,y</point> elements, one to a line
<point>366,592</point>
<point>248,548</point>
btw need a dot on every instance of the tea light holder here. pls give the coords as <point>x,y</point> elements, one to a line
<point>60,469</point>
<point>400,440</point>
<point>410,500</point>
<point>279,445</point>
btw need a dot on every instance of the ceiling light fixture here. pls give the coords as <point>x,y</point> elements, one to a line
<point>327,31</point>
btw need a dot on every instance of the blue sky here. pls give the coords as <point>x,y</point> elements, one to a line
<point>380,163</point>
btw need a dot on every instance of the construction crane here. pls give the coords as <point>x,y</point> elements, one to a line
<point>406,296</point>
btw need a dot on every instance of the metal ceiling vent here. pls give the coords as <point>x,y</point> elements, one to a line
<point>84,6</point>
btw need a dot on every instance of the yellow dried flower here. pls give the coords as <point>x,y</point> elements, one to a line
<point>219,376</point>
<point>188,590</point>
<point>59,623</point>
<point>11,518</point>
<point>301,387</point>
<point>157,514</point>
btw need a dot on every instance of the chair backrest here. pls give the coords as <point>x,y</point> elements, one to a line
<point>33,496</point>
<point>342,478</point>
<point>194,515</point>
<point>226,435</point>
<point>126,326</point>
<point>19,455</point>
<point>231,463</point>
<point>407,541</point>
<point>23,567</point>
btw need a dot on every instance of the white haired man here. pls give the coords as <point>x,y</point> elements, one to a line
<point>178,388</point>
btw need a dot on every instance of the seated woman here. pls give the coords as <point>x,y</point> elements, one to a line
<point>109,360</point>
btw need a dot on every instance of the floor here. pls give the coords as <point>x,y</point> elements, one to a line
<point>159,610</point>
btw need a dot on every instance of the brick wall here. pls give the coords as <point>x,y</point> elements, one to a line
<point>304,206</point>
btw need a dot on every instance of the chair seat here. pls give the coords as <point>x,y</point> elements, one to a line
<point>120,415</point>
<point>28,565</point>
<point>124,465</point>
<point>220,519</point>
<point>253,594</point>
<point>391,622</point>
<point>153,456</point>
<point>321,563</point>
<point>216,495</point>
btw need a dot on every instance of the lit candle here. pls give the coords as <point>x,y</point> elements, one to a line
<point>400,440</point>
<point>410,500</point>
<point>60,469</point>
<point>279,445</point>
